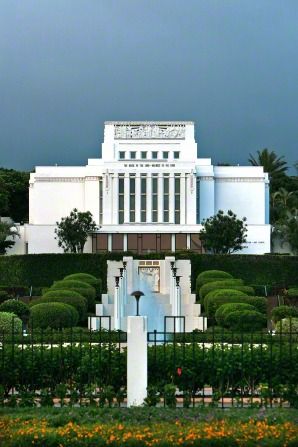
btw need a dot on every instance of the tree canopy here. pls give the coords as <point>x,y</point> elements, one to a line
<point>8,233</point>
<point>223,233</point>
<point>72,231</point>
<point>14,194</point>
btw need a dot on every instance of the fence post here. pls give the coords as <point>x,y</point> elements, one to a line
<point>136,360</point>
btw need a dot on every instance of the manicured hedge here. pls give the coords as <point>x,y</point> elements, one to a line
<point>245,320</point>
<point>53,315</point>
<point>210,276</point>
<point>225,309</point>
<point>81,287</point>
<point>43,269</point>
<point>222,292</point>
<point>226,284</point>
<point>278,313</point>
<point>215,302</point>
<point>293,292</point>
<point>17,307</point>
<point>287,325</point>
<point>89,279</point>
<point>9,323</point>
<point>66,297</point>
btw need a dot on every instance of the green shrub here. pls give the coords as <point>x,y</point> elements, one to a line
<point>9,322</point>
<point>287,325</point>
<point>16,307</point>
<point>226,309</point>
<point>215,302</point>
<point>67,297</point>
<point>259,302</point>
<point>222,292</point>
<point>246,320</point>
<point>209,276</point>
<point>225,284</point>
<point>81,287</point>
<point>293,292</point>
<point>4,296</point>
<point>53,315</point>
<point>279,313</point>
<point>89,279</point>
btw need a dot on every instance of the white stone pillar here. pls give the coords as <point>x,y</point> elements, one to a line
<point>182,199</point>
<point>117,305</point>
<point>136,360</point>
<point>115,201</point>
<point>138,198</point>
<point>126,198</point>
<point>160,198</point>
<point>172,199</point>
<point>149,198</point>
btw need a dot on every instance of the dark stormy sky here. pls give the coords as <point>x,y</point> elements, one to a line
<point>66,66</point>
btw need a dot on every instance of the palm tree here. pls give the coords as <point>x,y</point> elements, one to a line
<point>8,232</point>
<point>274,165</point>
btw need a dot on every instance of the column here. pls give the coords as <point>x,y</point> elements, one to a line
<point>182,199</point>
<point>172,200</point>
<point>115,200</point>
<point>126,198</point>
<point>206,197</point>
<point>92,197</point>
<point>160,198</point>
<point>149,198</point>
<point>136,360</point>
<point>138,198</point>
<point>191,199</point>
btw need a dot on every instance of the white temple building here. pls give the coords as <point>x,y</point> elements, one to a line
<point>148,192</point>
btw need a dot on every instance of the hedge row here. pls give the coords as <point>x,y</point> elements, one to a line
<point>43,269</point>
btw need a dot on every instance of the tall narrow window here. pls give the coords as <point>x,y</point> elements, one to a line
<point>132,199</point>
<point>121,200</point>
<point>154,197</point>
<point>166,198</point>
<point>143,198</point>
<point>177,199</point>
<point>100,202</point>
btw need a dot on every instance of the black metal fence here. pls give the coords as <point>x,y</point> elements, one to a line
<point>215,367</point>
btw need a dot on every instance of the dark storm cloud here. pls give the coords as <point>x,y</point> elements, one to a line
<point>66,66</point>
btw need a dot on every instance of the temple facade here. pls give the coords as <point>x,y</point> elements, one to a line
<point>148,192</point>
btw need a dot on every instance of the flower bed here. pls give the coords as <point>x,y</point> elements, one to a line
<point>21,433</point>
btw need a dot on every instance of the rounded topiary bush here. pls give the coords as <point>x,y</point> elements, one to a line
<point>67,297</point>
<point>226,309</point>
<point>16,307</point>
<point>9,323</point>
<point>225,284</point>
<point>209,276</point>
<point>53,315</point>
<point>222,292</point>
<point>215,302</point>
<point>259,302</point>
<point>245,320</point>
<point>287,326</point>
<point>293,292</point>
<point>89,279</point>
<point>281,312</point>
<point>81,287</point>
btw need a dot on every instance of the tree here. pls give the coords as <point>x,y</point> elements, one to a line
<point>72,231</point>
<point>274,165</point>
<point>8,233</point>
<point>15,186</point>
<point>223,233</point>
<point>287,229</point>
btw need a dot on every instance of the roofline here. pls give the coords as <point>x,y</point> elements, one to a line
<point>133,123</point>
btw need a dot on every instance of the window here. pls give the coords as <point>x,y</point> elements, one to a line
<point>122,155</point>
<point>143,155</point>
<point>99,242</point>
<point>154,155</point>
<point>176,155</point>
<point>180,241</point>
<point>133,155</point>
<point>117,242</point>
<point>154,198</point>
<point>100,202</point>
<point>165,155</point>
<point>143,198</point>
<point>166,198</point>
<point>177,199</point>
<point>121,200</point>
<point>132,199</point>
